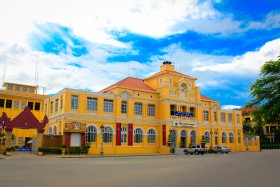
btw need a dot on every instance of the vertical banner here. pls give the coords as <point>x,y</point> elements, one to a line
<point>83,139</point>
<point>164,134</point>
<point>118,135</point>
<point>130,134</point>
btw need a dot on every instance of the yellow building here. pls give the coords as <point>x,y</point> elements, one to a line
<point>143,116</point>
<point>13,99</point>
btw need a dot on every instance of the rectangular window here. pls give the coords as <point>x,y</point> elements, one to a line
<point>61,102</point>
<point>10,87</point>
<point>223,117</point>
<point>37,106</point>
<point>172,109</point>
<point>74,102</point>
<point>17,88</point>
<point>31,90</point>
<point>138,108</point>
<point>108,105</point>
<point>124,107</point>
<point>238,118</point>
<point>23,104</point>
<point>30,104</point>
<point>230,118</point>
<point>92,104</point>
<point>16,104</point>
<point>123,134</point>
<point>56,105</point>
<point>215,116</point>
<point>9,103</point>
<point>206,115</point>
<point>192,110</point>
<point>51,107</point>
<point>24,89</point>
<point>2,101</point>
<point>151,110</point>
<point>183,108</point>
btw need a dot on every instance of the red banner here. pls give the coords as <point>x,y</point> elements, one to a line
<point>118,135</point>
<point>164,134</point>
<point>130,134</point>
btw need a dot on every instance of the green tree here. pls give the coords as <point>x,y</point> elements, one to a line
<point>265,92</point>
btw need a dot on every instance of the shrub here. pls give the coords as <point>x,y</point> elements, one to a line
<point>9,149</point>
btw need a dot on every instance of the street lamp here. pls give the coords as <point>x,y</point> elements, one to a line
<point>102,132</point>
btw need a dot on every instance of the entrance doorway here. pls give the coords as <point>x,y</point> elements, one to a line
<point>183,141</point>
<point>172,138</point>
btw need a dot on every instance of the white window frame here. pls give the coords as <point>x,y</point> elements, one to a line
<point>206,115</point>
<point>124,107</point>
<point>74,102</point>
<point>108,105</point>
<point>91,133</point>
<point>151,136</point>
<point>92,103</point>
<point>138,135</point>
<point>138,108</point>
<point>151,109</point>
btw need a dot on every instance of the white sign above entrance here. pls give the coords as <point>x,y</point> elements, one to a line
<point>183,124</point>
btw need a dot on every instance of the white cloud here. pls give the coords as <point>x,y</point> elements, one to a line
<point>93,19</point>
<point>271,21</point>
<point>55,71</point>
<point>248,64</point>
<point>230,107</point>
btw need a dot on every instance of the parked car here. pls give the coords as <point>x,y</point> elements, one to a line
<point>221,149</point>
<point>195,149</point>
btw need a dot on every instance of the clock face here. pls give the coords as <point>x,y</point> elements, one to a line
<point>182,87</point>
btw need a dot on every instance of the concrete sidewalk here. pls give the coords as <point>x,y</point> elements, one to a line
<point>16,155</point>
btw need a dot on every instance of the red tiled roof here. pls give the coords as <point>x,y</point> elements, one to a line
<point>206,98</point>
<point>130,82</point>
<point>248,110</point>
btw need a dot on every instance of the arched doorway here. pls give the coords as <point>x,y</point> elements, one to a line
<point>193,137</point>
<point>183,141</point>
<point>172,138</point>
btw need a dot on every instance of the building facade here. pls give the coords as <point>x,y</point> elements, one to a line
<point>143,116</point>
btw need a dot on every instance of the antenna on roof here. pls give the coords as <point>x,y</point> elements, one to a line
<point>128,70</point>
<point>36,72</point>
<point>4,71</point>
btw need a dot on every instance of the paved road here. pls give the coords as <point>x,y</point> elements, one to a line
<point>235,169</point>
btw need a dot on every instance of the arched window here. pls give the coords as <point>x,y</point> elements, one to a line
<point>50,130</point>
<point>183,133</point>
<point>193,138</point>
<point>138,134</point>
<point>207,136</point>
<point>231,137</point>
<point>91,134</point>
<point>54,130</point>
<point>107,134</point>
<point>151,136</point>
<point>224,137</point>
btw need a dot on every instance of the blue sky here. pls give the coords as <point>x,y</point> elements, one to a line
<point>93,44</point>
